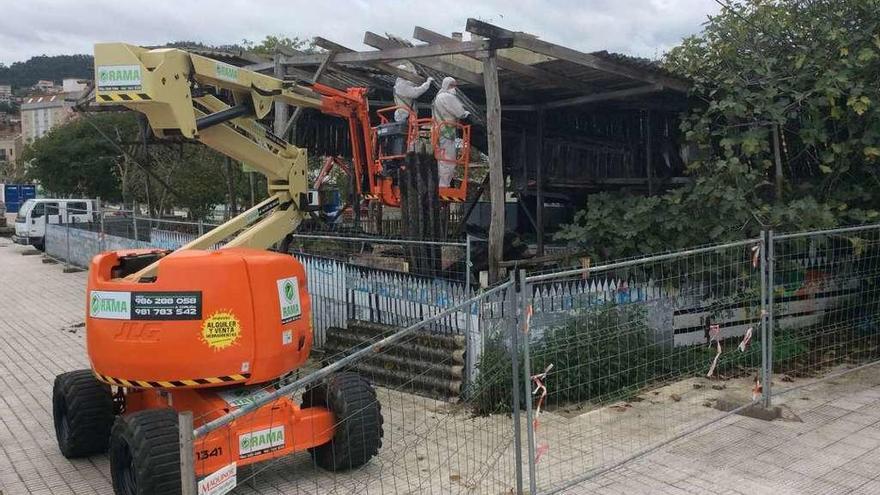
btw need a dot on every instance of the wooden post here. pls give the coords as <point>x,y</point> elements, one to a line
<point>281,109</point>
<point>649,164</point>
<point>777,156</point>
<point>496,173</point>
<point>539,182</point>
<point>187,455</point>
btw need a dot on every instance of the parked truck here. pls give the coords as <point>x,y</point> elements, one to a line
<point>35,214</point>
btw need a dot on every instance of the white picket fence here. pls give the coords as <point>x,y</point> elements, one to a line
<point>341,291</point>
<point>680,313</point>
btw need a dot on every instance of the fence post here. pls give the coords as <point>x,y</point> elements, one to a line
<point>99,211</point>
<point>201,228</point>
<point>514,386</point>
<point>67,231</point>
<point>472,348</point>
<point>187,463</point>
<point>765,343</point>
<point>525,311</point>
<point>768,381</point>
<point>134,224</point>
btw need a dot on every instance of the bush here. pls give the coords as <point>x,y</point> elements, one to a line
<point>608,354</point>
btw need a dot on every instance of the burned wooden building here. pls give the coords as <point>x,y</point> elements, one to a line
<point>552,124</point>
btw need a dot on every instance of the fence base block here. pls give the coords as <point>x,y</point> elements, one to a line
<point>756,411</point>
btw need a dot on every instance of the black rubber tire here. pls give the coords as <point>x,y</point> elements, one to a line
<point>82,410</point>
<point>358,435</point>
<point>145,453</point>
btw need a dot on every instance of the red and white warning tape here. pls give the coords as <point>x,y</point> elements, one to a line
<point>540,390</point>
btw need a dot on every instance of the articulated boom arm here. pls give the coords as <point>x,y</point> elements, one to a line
<point>178,92</point>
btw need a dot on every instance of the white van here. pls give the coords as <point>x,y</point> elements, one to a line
<point>35,214</point>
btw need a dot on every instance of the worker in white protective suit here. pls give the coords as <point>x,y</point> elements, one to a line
<point>447,111</point>
<point>406,92</point>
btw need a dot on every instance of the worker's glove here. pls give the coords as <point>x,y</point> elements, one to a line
<point>430,80</point>
<point>466,119</point>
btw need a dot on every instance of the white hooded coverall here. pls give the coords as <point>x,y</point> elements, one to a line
<point>405,93</point>
<point>447,108</point>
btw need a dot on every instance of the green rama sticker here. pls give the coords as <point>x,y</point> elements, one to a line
<point>118,77</point>
<point>226,71</point>
<point>288,298</point>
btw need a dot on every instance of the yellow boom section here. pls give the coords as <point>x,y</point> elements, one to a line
<point>178,92</point>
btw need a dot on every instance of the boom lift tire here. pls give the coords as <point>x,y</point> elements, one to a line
<point>358,426</point>
<point>83,413</point>
<point>145,453</point>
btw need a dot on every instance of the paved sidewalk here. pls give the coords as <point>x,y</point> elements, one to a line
<point>834,448</point>
<point>38,305</point>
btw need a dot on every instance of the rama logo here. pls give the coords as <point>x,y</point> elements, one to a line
<point>117,75</point>
<point>228,72</point>
<point>289,290</point>
<point>258,442</point>
<point>108,304</point>
<point>101,305</point>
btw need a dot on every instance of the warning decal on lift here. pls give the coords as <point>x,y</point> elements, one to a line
<point>221,330</point>
<point>244,396</point>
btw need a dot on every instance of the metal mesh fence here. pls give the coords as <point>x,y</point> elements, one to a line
<point>387,438</point>
<point>633,352</point>
<point>541,384</point>
<point>826,309</point>
<point>432,259</point>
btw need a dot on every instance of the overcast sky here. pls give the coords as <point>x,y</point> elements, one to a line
<point>637,27</point>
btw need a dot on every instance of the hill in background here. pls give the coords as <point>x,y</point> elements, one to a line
<point>54,68</point>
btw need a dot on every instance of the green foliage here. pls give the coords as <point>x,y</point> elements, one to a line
<point>602,354</point>
<point>271,44</point>
<point>807,68</point>
<point>608,354</point>
<point>54,68</point>
<point>75,160</point>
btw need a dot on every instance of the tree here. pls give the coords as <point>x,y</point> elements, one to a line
<point>271,44</point>
<point>75,160</point>
<point>805,71</point>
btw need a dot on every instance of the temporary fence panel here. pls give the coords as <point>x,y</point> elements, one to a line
<point>608,362</point>
<point>421,445</point>
<point>825,298</point>
<point>619,381</point>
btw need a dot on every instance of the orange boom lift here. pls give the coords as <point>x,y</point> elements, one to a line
<point>210,331</point>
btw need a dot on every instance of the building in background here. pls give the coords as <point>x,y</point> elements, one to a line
<point>45,86</point>
<point>39,114</point>
<point>5,94</point>
<point>10,143</point>
<point>72,85</point>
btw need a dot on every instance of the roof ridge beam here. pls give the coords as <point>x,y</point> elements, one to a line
<point>397,53</point>
<point>428,36</point>
<point>383,66</point>
<point>528,42</point>
<point>456,71</point>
